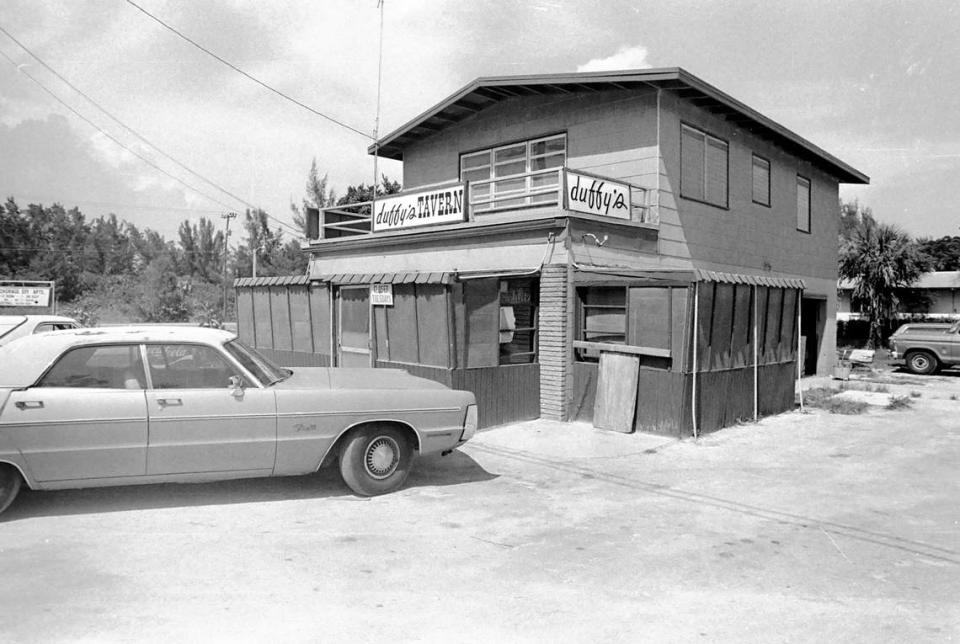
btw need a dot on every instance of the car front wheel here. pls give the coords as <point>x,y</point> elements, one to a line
<point>9,485</point>
<point>375,459</point>
<point>921,362</point>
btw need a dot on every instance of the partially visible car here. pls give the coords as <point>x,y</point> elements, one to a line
<point>926,348</point>
<point>17,326</point>
<point>140,404</point>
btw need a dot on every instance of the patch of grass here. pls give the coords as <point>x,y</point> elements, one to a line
<point>825,398</point>
<point>915,394</point>
<point>953,397</point>
<point>900,402</point>
<point>845,406</point>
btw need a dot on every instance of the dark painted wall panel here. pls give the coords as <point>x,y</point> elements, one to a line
<point>280,311</point>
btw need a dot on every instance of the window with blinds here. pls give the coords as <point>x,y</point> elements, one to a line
<point>761,181</point>
<point>803,204</point>
<point>703,167</point>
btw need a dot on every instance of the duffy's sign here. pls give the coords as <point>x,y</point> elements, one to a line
<point>597,196</point>
<point>424,208</point>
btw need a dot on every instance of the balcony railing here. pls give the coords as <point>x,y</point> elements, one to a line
<point>541,188</point>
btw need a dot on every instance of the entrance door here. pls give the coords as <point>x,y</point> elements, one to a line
<point>812,318</point>
<point>353,326</point>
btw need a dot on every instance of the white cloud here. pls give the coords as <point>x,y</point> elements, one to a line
<point>634,57</point>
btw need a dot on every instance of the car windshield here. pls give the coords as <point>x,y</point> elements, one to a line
<point>260,366</point>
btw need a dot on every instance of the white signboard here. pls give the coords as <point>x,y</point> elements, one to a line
<point>423,208</point>
<point>381,294</point>
<point>597,196</point>
<point>25,296</point>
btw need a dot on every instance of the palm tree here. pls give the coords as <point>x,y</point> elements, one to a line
<point>879,259</point>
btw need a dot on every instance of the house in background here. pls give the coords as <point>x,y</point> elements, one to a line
<point>936,295</point>
<point>637,248</point>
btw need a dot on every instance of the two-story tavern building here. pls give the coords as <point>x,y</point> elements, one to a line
<point>635,247</point>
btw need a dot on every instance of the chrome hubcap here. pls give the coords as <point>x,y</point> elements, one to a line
<point>382,458</point>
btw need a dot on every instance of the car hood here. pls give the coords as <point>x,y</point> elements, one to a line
<point>350,378</point>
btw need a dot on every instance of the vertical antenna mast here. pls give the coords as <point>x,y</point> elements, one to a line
<point>376,121</point>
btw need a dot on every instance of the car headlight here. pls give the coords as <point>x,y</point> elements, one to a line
<point>469,423</point>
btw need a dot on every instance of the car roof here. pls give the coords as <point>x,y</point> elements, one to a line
<point>24,359</point>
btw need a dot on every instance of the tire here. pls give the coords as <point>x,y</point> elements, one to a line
<point>9,485</point>
<point>375,459</point>
<point>921,362</point>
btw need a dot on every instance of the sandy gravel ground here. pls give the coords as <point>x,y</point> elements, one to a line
<point>802,527</point>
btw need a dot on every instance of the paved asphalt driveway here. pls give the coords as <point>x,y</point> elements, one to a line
<point>804,527</point>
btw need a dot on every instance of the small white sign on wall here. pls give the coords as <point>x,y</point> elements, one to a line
<point>597,196</point>
<point>381,294</point>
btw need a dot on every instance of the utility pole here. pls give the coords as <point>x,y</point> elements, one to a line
<point>226,251</point>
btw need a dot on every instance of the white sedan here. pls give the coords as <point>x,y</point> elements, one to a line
<point>17,326</point>
<point>128,405</point>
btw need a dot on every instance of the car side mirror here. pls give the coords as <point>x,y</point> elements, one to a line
<point>236,384</point>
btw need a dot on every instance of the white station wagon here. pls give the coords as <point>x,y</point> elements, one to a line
<point>128,405</point>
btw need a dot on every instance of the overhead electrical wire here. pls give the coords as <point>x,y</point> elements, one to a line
<point>243,73</point>
<point>137,134</point>
<point>110,136</point>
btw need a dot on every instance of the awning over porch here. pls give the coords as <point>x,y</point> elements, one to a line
<point>409,277</point>
<point>594,273</point>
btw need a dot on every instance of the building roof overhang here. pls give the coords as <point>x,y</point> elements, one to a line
<point>488,91</point>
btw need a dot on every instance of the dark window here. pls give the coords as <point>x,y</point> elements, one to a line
<point>518,321</point>
<point>108,367</point>
<point>803,204</point>
<point>188,366</point>
<point>703,167</point>
<point>603,318</point>
<point>761,181</point>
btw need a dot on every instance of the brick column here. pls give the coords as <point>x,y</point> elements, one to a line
<point>553,342</point>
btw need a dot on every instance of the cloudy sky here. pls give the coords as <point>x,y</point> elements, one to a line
<point>876,83</point>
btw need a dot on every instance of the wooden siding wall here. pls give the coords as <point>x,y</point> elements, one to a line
<point>296,358</point>
<point>725,325</point>
<point>416,329</point>
<point>662,399</point>
<point>725,372</point>
<point>293,320</point>
<point>504,394</point>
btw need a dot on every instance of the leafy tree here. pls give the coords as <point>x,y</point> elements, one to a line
<point>943,253</point>
<point>163,297</point>
<point>319,195</point>
<point>879,259</point>
<point>851,214</point>
<point>201,250</point>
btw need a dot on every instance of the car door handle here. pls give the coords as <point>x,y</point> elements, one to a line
<point>169,402</point>
<point>29,404</point>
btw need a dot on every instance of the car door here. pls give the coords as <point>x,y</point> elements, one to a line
<point>198,422</point>
<point>86,418</point>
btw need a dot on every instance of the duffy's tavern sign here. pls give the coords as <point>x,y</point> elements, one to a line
<point>421,208</point>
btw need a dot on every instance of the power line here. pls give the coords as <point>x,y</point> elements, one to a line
<point>109,136</point>
<point>140,136</point>
<point>254,79</point>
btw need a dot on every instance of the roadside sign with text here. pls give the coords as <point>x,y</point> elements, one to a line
<point>25,295</point>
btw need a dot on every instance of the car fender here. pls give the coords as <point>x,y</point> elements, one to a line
<point>369,421</point>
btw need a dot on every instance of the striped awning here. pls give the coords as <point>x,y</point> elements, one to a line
<point>757,280</point>
<point>276,280</point>
<point>687,276</point>
<point>411,277</point>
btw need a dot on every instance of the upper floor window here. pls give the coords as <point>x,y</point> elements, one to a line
<point>803,204</point>
<point>761,181</point>
<point>703,167</point>
<point>515,175</point>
